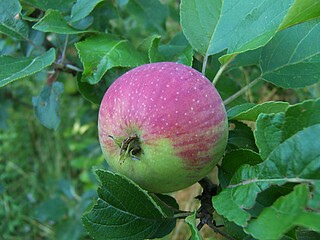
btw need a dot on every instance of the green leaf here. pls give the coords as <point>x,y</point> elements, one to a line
<point>290,211</point>
<point>61,5</point>
<point>95,92</point>
<point>300,116</point>
<point>241,136</point>
<point>199,20</point>
<point>53,21</point>
<point>164,201</point>
<point>53,209</point>
<point>47,107</point>
<point>229,207</point>
<point>69,229</point>
<point>227,87</point>
<point>83,8</point>
<point>151,13</point>
<point>271,130</point>
<point>175,53</point>
<point>295,160</point>
<point>10,22</point>
<point>35,45</point>
<point>213,26</point>
<point>301,11</point>
<point>248,58</point>
<point>191,221</point>
<point>233,160</point>
<point>268,133</point>
<point>292,58</point>
<point>150,45</point>
<point>125,211</point>
<point>103,52</point>
<point>314,203</point>
<point>12,69</point>
<point>250,112</point>
<point>167,199</point>
<point>303,233</point>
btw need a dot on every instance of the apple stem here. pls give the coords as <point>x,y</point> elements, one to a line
<point>129,146</point>
<point>205,212</point>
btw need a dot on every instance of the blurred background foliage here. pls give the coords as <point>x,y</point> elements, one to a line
<point>46,177</point>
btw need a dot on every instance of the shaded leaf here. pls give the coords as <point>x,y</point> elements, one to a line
<point>12,69</point>
<point>248,58</point>
<point>227,87</point>
<point>292,58</point>
<point>47,106</point>
<point>70,229</point>
<point>151,45</point>
<point>175,53</point>
<point>126,211</point>
<point>250,112</point>
<point>10,22</point>
<point>303,233</point>
<point>53,209</point>
<point>95,92</point>
<point>53,21</point>
<point>241,136</point>
<point>151,13</point>
<point>164,201</point>
<point>61,5</point>
<point>233,160</point>
<point>109,52</point>
<point>35,48</point>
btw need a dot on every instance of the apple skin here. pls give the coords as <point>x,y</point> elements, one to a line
<point>163,125</point>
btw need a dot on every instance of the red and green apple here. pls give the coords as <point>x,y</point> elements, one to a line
<point>163,125</point>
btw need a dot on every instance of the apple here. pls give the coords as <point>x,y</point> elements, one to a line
<point>163,125</point>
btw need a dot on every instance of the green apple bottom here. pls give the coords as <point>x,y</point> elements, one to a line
<point>163,125</point>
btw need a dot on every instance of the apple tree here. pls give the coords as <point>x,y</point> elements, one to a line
<point>261,56</point>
